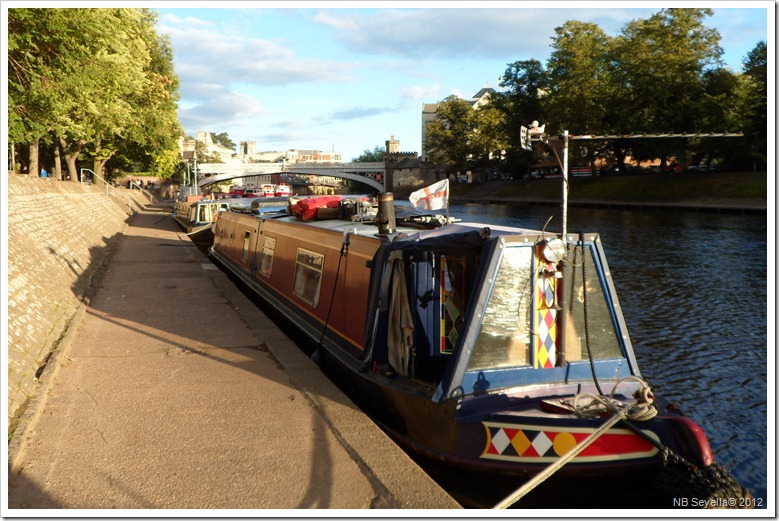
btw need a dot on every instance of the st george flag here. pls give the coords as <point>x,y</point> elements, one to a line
<point>433,197</point>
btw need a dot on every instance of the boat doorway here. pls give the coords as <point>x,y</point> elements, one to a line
<point>429,293</point>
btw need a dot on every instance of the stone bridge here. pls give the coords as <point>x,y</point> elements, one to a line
<point>370,174</point>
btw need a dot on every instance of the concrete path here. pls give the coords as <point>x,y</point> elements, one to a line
<point>171,390</point>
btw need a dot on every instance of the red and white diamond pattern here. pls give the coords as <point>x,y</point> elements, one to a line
<point>546,328</point>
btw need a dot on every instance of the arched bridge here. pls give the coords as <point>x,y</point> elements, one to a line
<point>371,174</point>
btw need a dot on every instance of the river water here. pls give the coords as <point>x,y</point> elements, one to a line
<point>693,288</point>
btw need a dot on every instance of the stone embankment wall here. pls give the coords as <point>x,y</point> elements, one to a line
<point>59,233</point>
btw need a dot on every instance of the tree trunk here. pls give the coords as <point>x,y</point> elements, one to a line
<point>34,170</point>
<point>57,160</point>
<point>97,168</point>
<point>98,164</point>
<point>71,157</point>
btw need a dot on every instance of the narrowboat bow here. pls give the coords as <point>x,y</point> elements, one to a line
<point>491,353</point>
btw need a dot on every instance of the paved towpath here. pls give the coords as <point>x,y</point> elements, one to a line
<point>171,390</point>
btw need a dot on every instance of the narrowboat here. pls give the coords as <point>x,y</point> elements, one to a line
<point>196,214</point>
<point>497,357</point>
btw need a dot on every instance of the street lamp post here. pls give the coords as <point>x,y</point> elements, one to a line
<point>565,187</point>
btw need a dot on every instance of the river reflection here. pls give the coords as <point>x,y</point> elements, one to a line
<point>693,288</point>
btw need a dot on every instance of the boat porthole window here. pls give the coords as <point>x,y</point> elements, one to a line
<point>266,258</point>
<point>308,276</point>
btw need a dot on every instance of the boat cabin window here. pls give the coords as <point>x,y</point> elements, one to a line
<point>204,213</point>
<point>523,321</point>
<point>247,235</point>
<point>602,332</point>
<point>266,257</point>
<point>504,338</point>
<point>308,276</point>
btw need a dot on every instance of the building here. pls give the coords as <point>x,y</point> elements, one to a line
<point>478,100</point>
<point>247,152</point>
<point>187,148</point>
<point>224,153</point>
<point>404,170</point>
<point>312,156</point>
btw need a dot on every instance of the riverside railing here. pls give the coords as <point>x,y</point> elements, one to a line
<point>109,190</point>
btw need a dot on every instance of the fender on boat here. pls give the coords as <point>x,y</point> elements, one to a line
<point>696,439</point>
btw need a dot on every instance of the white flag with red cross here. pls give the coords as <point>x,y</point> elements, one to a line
<point>433,197</point>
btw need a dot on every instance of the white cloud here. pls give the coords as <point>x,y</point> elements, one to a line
<point>217,108</point>
<point>206,53</point>
<point>418,92</point>
<point>188,21</point>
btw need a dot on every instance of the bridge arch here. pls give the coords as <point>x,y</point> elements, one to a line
<point>373,175</point>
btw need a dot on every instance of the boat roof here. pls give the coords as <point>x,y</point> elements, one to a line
<point>370,228</point>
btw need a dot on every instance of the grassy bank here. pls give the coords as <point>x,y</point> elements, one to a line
<point>733,188</point>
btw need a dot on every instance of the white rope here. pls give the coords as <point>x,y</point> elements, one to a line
<point>642,410</point>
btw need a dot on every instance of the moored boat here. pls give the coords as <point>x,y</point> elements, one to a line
<point>490,353</point>
<point>267,190</point>
<point>283,190</point>
<point>196,214</point>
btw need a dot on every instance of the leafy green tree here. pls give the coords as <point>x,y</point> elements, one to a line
<point>89,78</point>
<point>578,76</point>
<point>223,139</point>
<point>657,69</point>
<point>157,130</point>
<point>490,139</point>
<point>754,116</point>
<point>371,156</point>
<point>721,107</point>
<point>450,137</point>
<point>525,83</point>
<point>579,84</point>
<point>42,50</point>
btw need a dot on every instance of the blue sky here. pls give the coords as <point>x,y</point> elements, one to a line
<point>346,76</point>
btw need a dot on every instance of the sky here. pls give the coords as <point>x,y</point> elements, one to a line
<point>347,76</point>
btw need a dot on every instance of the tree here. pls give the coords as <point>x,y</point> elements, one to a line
<point>578,92</point>
<point>450,136</point>
<point>223,139</point>
<point>371,156</point>
<point>490,139</point>
<point>577,75</point>
<point>40,48</point>
<point>153,140</point>
<point>754,117</point>
<point>657,67</point>
<point>94,79</point>
<point>526,83</point>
